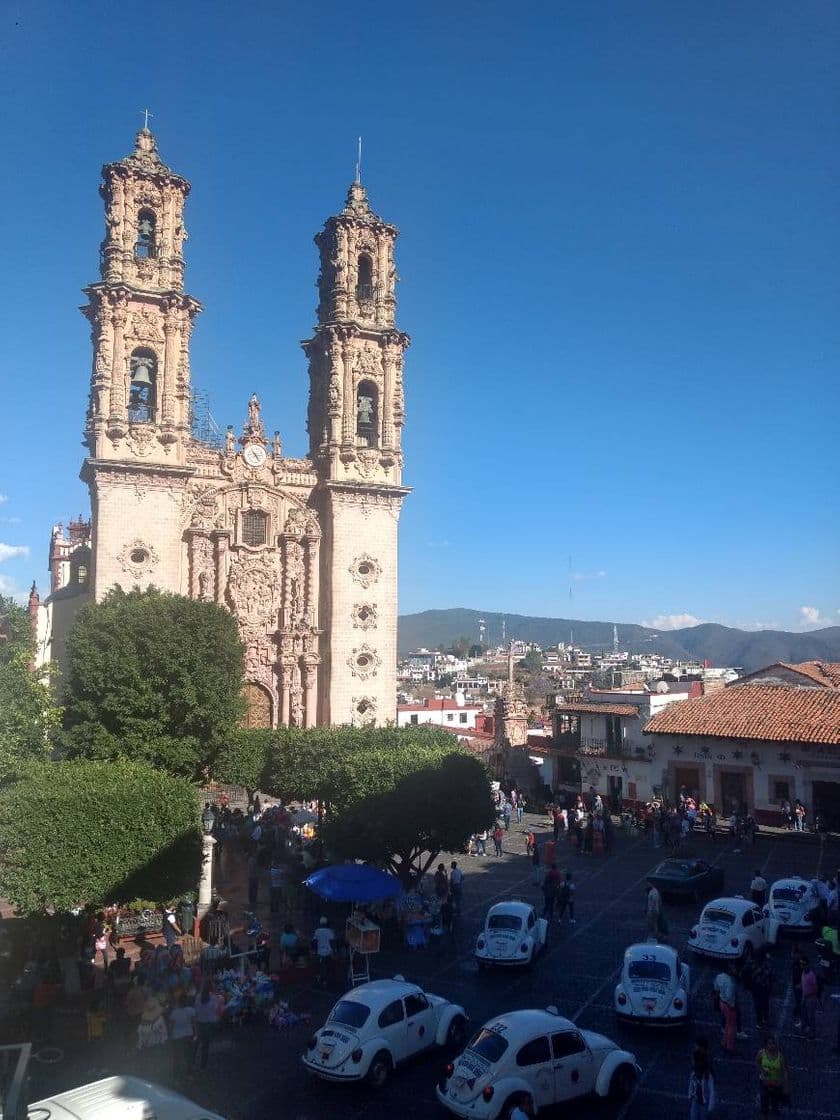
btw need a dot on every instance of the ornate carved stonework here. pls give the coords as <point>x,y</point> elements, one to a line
<point>200,506</point>
<point>145,326</point>
<point>203,569</point>
<point>364,616</point>
<point>363,710</point>
<point>364,662</point>
<point>365,569</point>
<point>141,439</point>
<point>252,588</point>
<point>137,558</point>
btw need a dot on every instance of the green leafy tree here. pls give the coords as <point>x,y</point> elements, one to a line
<point>74,833</point>
<point>27,710</point>
<point>532,661</point>
<point>435,806</point>
<point>152,676</point>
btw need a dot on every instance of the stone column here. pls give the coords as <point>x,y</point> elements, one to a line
<point>310,693</point>
<point>312,545</point>
<point>388,399</point>
<point>205,883</point>
<point>348,431</point>
<point>119,388</point>
<point>171,354</point>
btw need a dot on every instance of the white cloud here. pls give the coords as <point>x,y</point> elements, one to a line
<point>12,590</point>
<point>672,622</point>
<point>3,498</point>
<point>10,551</point>
<point>581,577</point>
<point>810,616</point>
<point>10,521</point>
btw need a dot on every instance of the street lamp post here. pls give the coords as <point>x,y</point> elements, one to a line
<point>205,883</point>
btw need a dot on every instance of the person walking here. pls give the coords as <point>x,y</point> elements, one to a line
<point>551,891</point>
<point>520,809</point>
<point>799,817</point>
<point>207,1011</point>
<point>810,999</point>
<point>536,865</point>
<point>481,842</point>
<point>726,993</point>
<point>653,911</point>
<point>758,889</point>
<point>182,1035</point>
<point>507,812</point>
<point>324,941</point>
<point>701,1085</point>
<point>498,837</point>
<point>566,899</point>
<point>759,980</point>
<point>456,884</point>
<point>773,1085</point>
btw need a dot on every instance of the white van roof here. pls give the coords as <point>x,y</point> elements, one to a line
<point>119,1098</point>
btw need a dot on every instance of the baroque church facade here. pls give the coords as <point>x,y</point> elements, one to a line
<point>303,552</point>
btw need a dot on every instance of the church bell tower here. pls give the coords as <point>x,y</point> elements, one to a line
<point>138,419</point>
<point>355,421</point>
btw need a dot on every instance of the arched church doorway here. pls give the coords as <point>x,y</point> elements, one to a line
<point>258,706</point>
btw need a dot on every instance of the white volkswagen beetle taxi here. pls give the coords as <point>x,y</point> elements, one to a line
<point>376,1026</point>
<point>732,929</point>
<point>654,986</point>
<point>533,1057</point>
<point>794,903</point>
<point>512,935</point>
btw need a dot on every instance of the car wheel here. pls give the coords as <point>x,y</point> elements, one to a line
<point>622,1083</point>
<point>456,1036</point>
<point>521,1099</point>
<point>379,1070</point>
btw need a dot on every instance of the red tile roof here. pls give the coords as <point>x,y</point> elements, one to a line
<point>599,709</point>
<point>825,673</point>
<point>765,712</point>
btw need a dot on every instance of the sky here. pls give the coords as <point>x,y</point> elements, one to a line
<point>618,259</point>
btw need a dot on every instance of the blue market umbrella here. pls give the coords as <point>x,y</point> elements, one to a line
<point>353,882</point>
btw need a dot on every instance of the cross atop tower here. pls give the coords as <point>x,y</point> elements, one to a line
<point>146,115</point>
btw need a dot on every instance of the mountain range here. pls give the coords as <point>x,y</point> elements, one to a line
<point>719,645</point>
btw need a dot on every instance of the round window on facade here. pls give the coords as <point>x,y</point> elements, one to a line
<point>138,556</point>
<point>364,660</point>
<point>365,568</point>
<point>363,707</point>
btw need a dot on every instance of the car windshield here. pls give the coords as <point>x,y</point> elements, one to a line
<point>673,867</point>
<point>649,970</point>
<point>488,1045</point>
<point>788,894</point>
<point>719,917</point>
<point>504,921</point>
<point>350,1013</point>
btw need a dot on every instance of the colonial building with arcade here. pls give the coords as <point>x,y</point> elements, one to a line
<point>302,551</point>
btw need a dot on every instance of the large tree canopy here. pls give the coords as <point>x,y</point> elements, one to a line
<point>395,796</point>
<point>152,676</point>
<point>27,711</point>
<point>73,833</point>
<point>432,807</point>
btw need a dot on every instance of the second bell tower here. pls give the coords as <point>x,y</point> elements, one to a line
<point>356,415</point>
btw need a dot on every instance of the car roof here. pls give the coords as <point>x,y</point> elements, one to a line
<point>651,948</point>
<point>381,991</point>
<point>131,1098</point>
<point>529,1022</point>
<point>736,905</point>
<point>511,906</point>
<point>675,864</point>
<point>792,881</point>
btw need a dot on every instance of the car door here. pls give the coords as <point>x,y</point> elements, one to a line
<point>574,1074</point>
<point>534,1062</point>
<point>392,1025</point>
<point>419,1023</point>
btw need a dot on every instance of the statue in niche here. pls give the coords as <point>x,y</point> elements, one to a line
<point>230,440</point>
<point>204,586</point>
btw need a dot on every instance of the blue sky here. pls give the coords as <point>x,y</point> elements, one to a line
<point>619,243</point>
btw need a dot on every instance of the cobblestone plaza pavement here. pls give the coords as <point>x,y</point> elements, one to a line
<point>256,1071</point>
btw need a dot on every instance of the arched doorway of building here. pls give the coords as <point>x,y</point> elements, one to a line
<point>258,706</point>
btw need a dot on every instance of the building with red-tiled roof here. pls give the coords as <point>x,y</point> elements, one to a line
<point>757,743</point>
